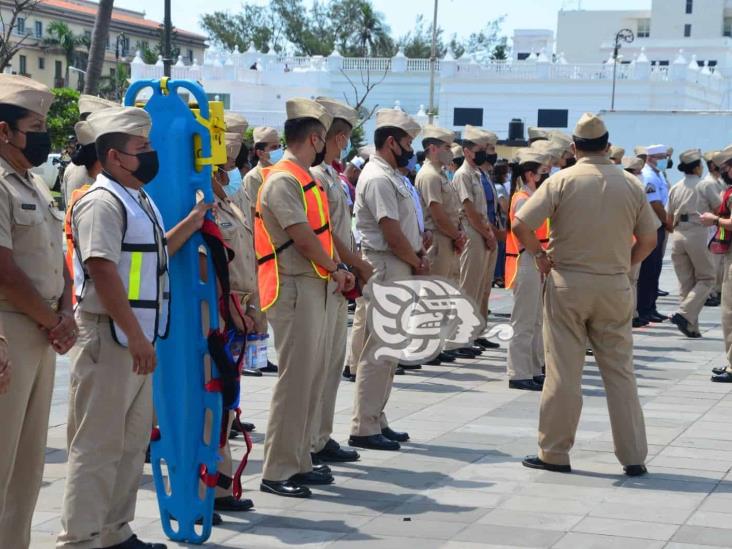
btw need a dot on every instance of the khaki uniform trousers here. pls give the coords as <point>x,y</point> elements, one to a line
<point>374,379</point>
<point>110,412</point>
<point>633,277</point>
<point>492,260</point>
<point>474,265</point>
<point>297,319</point>
<point>225,466</point>
<point>441,255</point>
<point>24,410</point>
<point>719,270</point>
<point>694,269</point>
<point>526,348</point>
<point>336,341</point>
<point>578,306</point>
<point>726,306</point>
<point>358,334</point>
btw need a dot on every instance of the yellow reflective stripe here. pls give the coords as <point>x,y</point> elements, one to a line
<point>316,192</point>
<point>721,233</point>
<point>133,291</point>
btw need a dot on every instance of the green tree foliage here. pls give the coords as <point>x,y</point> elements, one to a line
<point>418,42</point>
<point>62,116</point>
<point>61,37</point>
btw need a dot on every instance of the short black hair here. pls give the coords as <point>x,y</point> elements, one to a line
<point>431,141</point>
<point>711,166</point>
<point>421,155</point>
<point>10,114</point>
<point>458,161</point>
<point>242,157</point>
<point>467,144</point>
<point>105,143</point>
<point>339,125</point>
<point>689,168</point>
<point>298,129</point>
<point>597,144</point>
<point>85,155</point>
<point>385,132</point>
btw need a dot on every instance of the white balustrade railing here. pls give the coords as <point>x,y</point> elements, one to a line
<point>375,64</point>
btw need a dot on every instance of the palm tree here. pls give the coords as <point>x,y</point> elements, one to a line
<point>100,37</point>
<point>61,37</point>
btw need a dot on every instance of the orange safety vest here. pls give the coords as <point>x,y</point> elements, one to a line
<point>315,203</point>
<point>76,194</point>
<point>513,246</point>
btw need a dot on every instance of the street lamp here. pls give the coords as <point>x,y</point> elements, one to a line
<point>433,63</point>
<point>120,38</point>
<point>623,35</point>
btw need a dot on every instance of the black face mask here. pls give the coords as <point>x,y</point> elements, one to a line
<point>404,157</point>
<point>570,162</point>
<point>543,177</point>
<point>670,164</point>
<point>148,168</point>
<point>319,157</point>
<point>726,178</point>
<point>491,158</point>
<point>37,147</point>
<point>480,158</point>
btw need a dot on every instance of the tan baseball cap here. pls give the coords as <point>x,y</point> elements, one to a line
<point>551,149</point>
<point>441,134</point>
<point>233,144</point>
<point>709,156</point>
<point>23,92</point>
<point>339,110</point>
<point>457,151</point>
<point>632,163</point>
<point>590,126</point>
<point>616,152</point>
<point>562,138</point>
<point>690,155</point>
<point>307,108</point>
<point>395,118</point>
<point>91,103</point>
<point>537,133</point>
<point>531,154</point>
<point>84,133</point>
<point>722,157</point>
<point>265,134</point>
<point>476,135</point>
<point>235,123</point>
<point>127,120</point>
<point>640,150</point>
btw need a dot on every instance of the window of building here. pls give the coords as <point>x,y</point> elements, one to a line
<point>689,6</point>
<point>522,56</point>
<point>39,29</point>
<point>463,116</point>
<point>41,63</point>
<point>644,28</point>
<point>687,30</point>
<point>727,28</point>
<point>124,46</point>
<point>22,64</point>
<point>58,69</point>
<point>553,118</point>
<point>20,26</point>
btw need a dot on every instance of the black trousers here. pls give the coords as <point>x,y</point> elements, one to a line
<point>650,272</point>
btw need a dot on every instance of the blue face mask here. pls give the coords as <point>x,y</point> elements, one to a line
<point>276,155</point>
<point>450,174</point>
<point>345,151</point>
<point>662,164</point>
<point>235,182</point>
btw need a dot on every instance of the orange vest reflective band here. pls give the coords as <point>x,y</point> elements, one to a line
<point>513,246</point>
<point>315,203</point>
<point>75,196</point>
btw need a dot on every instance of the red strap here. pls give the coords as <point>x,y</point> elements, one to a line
<point>213,386</point>
<point>237,490</point>
<point>209,480</point>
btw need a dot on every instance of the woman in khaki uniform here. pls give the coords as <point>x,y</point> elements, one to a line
<point>267,151</point>
<point>35,301</point>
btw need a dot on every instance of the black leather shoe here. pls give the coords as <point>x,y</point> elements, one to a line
<point>285,488</point>
<point>589,352</point>
<point>374,442</point>
<point>533,462</point>
<point>270,368</point>
<point>712,301</point>
<point>399,371</point>
<point>252,372</point>
<point>719,371</point>
<point>639,322</point>
<point>321,468</point>
<point>683,325</point>
<point>230,503</point>
<point>233,434</point>
<point>313,477</point>
<point>389,433</point>
<point>135,543</point>
<point>347,375</point>
<point>661,293</point>
<point>246,426</point>
<point>725,377</point>
<point>216,520</point>
<point>524,385</point>
<point>434,362</point>
<point>486,343</point>
<point>410,366</point>
<point>635,470</point>
<point>655,316</point>
<point>147,455</point>
<point>540,379</point>
<point>463,353</point>
<point>446,356</point>
<point>333,452</point>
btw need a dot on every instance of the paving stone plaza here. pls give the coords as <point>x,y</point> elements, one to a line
<point>459,482</point>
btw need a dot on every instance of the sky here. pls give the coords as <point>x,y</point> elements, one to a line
<point>455,16</point>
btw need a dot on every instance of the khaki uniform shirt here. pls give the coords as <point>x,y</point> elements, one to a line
<point>711,190</point>
<point>340,214</point>
<point>434,187</point>
<point>32,229</point>
<point>281,207</point>
<point>687,197</point>
<point>238,236</point>
<point>468,187</point>
<point>594,209</point>
<point>246,196</point>
<point>382,192</point>
<point>98,223</point>
<point>75,177</point>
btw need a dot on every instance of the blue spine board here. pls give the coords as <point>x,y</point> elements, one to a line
<point>182,403</point>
